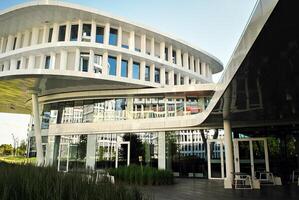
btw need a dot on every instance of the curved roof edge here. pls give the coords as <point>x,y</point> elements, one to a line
<point>218,65</point>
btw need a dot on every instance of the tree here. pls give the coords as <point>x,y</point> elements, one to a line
<point>6,149</point>
<point>21,150</point>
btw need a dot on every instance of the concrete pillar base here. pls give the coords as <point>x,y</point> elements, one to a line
<point>228,184</point>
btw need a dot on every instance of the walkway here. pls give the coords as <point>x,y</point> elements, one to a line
<point>202,189</point>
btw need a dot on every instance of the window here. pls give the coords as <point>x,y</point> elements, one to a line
<point>61,35</point>
<point>174,57</point>
<point>125,40</point>
<point>47,62</point>
<point>18,64</point>
<point>136,70</point>
<point>84,60</point>
<point>112,65</point>
<point>50,35</point>
<point>147,73</point>
<point>124,68</point>
<point>86,33</point>
<point>74,32</point>
<point>166,53</point>
<point>157,75</point>
<point>166,78</point>
<point>14,43</point>
<point>175,79</point>
<point>113,37</point>
<point>98,68</point>
<point>100,34</point>
<point>1,68</point>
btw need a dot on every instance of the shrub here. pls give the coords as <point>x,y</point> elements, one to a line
<point>39,183</point>
<point>138,175</point>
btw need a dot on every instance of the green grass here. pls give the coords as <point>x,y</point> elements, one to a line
<point>27,182</point>
<point>136,175</point>
<point>17,160</point>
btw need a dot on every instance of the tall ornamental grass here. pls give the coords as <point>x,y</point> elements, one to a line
<point>138,175</point>
<point>27,182</point>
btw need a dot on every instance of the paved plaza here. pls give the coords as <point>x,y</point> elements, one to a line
<point>202,189</point>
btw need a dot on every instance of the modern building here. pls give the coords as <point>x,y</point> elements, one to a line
<point>105,92</point>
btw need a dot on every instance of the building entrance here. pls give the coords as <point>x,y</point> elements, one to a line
<point>216,159</point>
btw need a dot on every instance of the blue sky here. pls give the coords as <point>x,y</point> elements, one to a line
<point>212,25</point>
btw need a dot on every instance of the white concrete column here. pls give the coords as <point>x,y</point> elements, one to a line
<point>13,64</point>
<point>178,78</point>
<point>55,32</point>
<point>1,44</point>
<point>91,61</point>
<point>19,40</point>
<point>68,31</point>
<point>26,38</point>
<point>77,59</point>
<point>6,65</point>
<point>63,59</point>
<point>162,75</point>
<point>52,60</point>
<point>91,151</point>
<point>37,129</point>
<point>34,36</point>
<point>31,62</point>
<point>170,54</point>
<point>192,63</point>
<point>193,81</point>
<point>203,69</point>
<point>153,46</point>
<point>186,80</point>
<point>130,68</point>
<point>228,140</point>
<point>42,61</point>
<point>23,62</point>
<point>132,41</point>
<point>197,65</point>
<point>162,50</point>
<point>49,158</point>
<point>179,57</point>
<point>161,150</point>
<point>118,65</point>
<point>45,34</point>
<point>119,36</point>
<point>142,70</point>
<point>10,41</point>
<point>171,77</point>
<point>143,43</point>
<point>152,73</point>
<point>105,64</point>
<point>185,61</point>
<point>80,30</point>
<point>106,33</point>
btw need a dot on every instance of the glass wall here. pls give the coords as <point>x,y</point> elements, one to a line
<point>74,32</point>
<point>112,65</point>
<point>136,70</point>
<point>124,68</point>
<point>61,35</point>
<point>86,33</point>
<point>84,60</point>
<point>113,37</point>
<point>147,73</point>
<point>100,34</point>
<point>157,75</point>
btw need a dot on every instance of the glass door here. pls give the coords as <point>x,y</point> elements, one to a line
<point>216,159</point>
<point>63,157</point>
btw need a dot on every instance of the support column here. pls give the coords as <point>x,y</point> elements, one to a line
<point>26,38</point>
<point>170,54</point>
<point>91,61</point>
<point>192,63</point>
<point>162,50</point>
<point>118,65</point>
<point>10,41</point>
<point>52,60</point>
<point>178,79</point>
<point>50,151</point>
<point>228,140</point>
<point>77,59</point>
<point>171,77</point>
<point>55,32</point>
<point>153,46</point>
<point>45,34</point>
<point>80,30</point>
<point>63,59</point>
<point>186,80</point>
<point>93,31</point>
<point>37,129</point>
<point>19,39</point>
<point>197,66</point>
<point>161,150</point>
<point>91,152</point>
<point>132,41</point>
<point>130,68</point>
<point>105,64</point>
<point>1,44</point>
<point>31,62</point>
<point>106,33</point>
<point>179,57</point>
<point>143,43</point>
<point>68,31</point>
<point>142,70</point>
<point>119,37</point>
<point>162,75</point>
<point>203,69</point>
<point>152,73</point>
<point>34,36</point>
<point>185,61</point>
